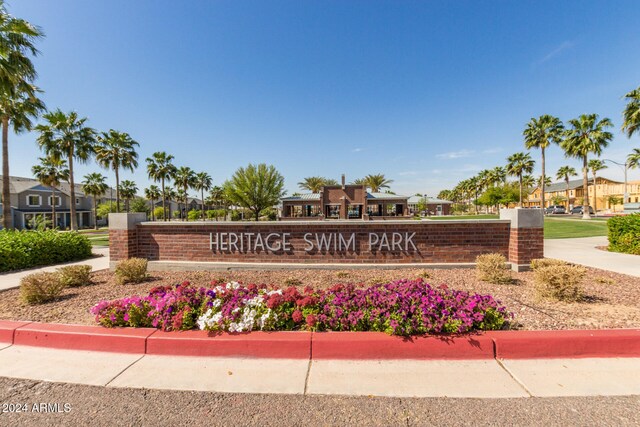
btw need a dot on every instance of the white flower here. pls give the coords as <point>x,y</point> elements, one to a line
<point>233,285</point>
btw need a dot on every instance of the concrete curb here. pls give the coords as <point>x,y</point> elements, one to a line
<point>328,345</point>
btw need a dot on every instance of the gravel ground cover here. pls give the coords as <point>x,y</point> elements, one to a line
<point>105,406</point>
<point>613,300</point>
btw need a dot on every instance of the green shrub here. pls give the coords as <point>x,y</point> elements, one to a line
<point>545,262</point>
<point>158,213</point>
<point>132,270</point>
<point>493,268</point>
<point>216,214</point>
<point>292,281</point>
<point>25,249</point>
<point>342,274</point>
<point>194,215</point>
<point>75,275</point>
<point>39,288</point>
<point>560,282</point>
<point>624,234</point>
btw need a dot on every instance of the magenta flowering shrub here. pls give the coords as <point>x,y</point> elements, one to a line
<point>404,307</point>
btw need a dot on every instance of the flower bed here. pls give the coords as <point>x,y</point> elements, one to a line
<point>404,307</point>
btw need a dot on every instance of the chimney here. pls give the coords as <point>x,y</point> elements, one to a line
<point>343,181</point>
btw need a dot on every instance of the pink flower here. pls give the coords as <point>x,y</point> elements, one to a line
<point>297,316</point>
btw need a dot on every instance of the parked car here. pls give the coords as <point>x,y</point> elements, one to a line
<point>555,209</point>
<point>578,210</point>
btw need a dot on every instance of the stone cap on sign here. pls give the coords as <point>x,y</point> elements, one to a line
<point>523,218</point>
<point>126,221</point>
<point>327,223</point>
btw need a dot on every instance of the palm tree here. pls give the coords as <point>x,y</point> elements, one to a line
<point>184,179</point>
<point>377,182</point>
<point>202,182</point>
<point>631,114</point>
<point>18,101</point>
<point>315,183</point>
<point>586,135</point>
<point>128,190</point>
<point>152,193</point>
<point>116,150</point>
<point>595,165</point>
<point>94,186</point>
<point>66,136</point>
<point>519,164</point>
<point>171,196</point>
<point>497,175</point>
<point>50,172</point>
<point>540,133</point>
<point>565,173</point>
<point>217,198</point>
<point>160,168</point>
<point>633,159</point>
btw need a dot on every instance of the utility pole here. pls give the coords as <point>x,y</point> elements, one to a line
<point>626,168</point>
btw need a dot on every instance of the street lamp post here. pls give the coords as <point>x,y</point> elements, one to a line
<point>626,168</point>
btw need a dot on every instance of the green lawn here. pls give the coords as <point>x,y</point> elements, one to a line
<point>554,227</point>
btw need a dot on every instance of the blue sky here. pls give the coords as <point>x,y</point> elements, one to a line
<point>427,93</point>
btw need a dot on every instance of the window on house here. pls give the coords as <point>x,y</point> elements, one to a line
<point>57,200</point>
<point>333,211</point>
<point>77,201</point>
<point>34,200</point>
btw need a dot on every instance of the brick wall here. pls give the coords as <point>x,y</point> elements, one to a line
<point>525,244</point>
<point>435,242</point>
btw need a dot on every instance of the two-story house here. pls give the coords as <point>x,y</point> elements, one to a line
<point>30,199</point>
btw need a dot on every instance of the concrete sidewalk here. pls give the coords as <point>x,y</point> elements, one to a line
<point>584,251</point>
<point>399,378</point>
<point>99,262</point>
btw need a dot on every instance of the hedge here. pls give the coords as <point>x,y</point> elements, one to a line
<point>624,234</point>
<point>25,249</point>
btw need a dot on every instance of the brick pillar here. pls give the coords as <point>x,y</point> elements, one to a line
<point>526,236</point>
<point>123,237</point>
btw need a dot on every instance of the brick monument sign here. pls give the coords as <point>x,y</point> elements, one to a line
<point>518,235</point>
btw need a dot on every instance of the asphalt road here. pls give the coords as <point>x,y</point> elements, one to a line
<point>102,406</point>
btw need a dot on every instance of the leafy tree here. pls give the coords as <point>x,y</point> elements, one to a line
<point>615,200</point>
<point>117,150</point>
<point>631,114</point>
<point>158,212</point>
<point>565,173</point>
<point>595,165</point>
<point>152,194</point>
<point>519,164</point>
<point>540,133</point>
<point>128,190</point>
<point>138,204</point>
<point>586,135</point>
<point>94,186</point>
<point>104,209</point>
<point>202,182</point>
<point>633,159</point>
<point>160,168</point>
<point>19,103</point>
<point>255,187</point>
<point>66,136</point>
<point>50,172</point>
<point>315,183</point>
<point>499,195</point>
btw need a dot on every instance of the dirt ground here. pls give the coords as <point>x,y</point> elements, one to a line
<point>613,300</point>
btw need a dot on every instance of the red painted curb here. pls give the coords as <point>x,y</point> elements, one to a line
<point>566,344</point>
<point>281,345</point>
<point>78,337</point>
<point>7,330</point>
<point>378,345</point>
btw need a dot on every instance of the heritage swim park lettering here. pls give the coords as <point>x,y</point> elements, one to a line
<point>313,242</point>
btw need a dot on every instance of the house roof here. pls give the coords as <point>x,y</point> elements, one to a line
<point>18,184</point>
<point>384,196</point>
<point>573,184</point>
<point>302,197</point>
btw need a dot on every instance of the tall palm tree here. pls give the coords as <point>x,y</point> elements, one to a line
<point>128,190</point>
<point>519,164</point>
<point>202,182</point>
<point>66,136</point>
<point>376,182</point>
<point>184,178</point>
<point>171,196</point>
<point>152,194</point>
<point>115,150</point>
<point>631,114</point>
<point>19,103</point>
<point>633,159</point>
<point>160,168</point>
<point>586,135</point>
<point>540,133</point>
<point>50,172</point>
<point>596,165</point>
<point>217,198</point>
<point>565,173</point>
<point>497,175</point>
<point>94,185</point>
